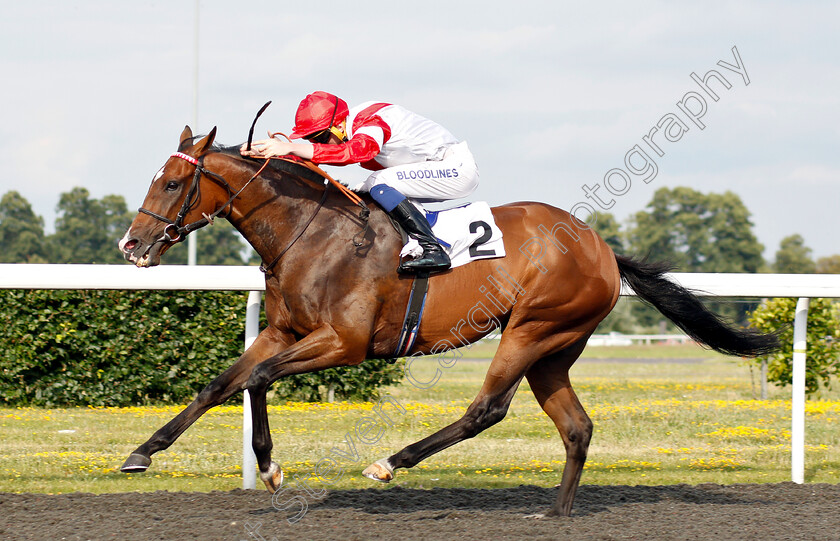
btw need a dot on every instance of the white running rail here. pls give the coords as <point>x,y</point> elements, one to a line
<point>242,278</point>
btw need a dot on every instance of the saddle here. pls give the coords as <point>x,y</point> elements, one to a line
<point>467,233</point>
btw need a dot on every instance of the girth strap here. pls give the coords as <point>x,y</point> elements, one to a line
<point>413,315</point>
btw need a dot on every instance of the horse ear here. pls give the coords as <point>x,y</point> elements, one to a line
<point>185,135</point>
<point>202,146</point>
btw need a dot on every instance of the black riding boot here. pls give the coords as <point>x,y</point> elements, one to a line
<point>434,259</point>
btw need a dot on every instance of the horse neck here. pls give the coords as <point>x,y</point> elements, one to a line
<point>272,208</point>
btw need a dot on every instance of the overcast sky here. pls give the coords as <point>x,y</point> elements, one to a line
<point>550,95</point>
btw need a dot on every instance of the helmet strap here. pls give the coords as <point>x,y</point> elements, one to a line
<point>334,129</point>
<point>338,132</point>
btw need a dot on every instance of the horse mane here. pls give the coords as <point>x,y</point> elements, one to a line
<point>281,166</point>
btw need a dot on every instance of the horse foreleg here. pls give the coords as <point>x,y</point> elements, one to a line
<point>323,348</point>
<point>229,383</point>
<point>549,380</point>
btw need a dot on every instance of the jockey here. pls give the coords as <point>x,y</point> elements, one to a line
<point>412,158</point>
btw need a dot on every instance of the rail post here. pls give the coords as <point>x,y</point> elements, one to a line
<point>797,431</point>
<point>249,460</point>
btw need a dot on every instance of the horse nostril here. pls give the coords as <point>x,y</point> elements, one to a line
<point>129,246</point>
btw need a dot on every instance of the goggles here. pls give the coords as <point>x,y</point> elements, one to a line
<point>323,136</point>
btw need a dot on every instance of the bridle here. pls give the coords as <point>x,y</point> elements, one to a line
<point>193,196</point>
<point>191,200</point>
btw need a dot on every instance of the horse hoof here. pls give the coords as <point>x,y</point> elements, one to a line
<point>558,512</point>
<point>536,516</point>
<point>379,471</point>
<point>136,463</point>
<point>273,478</point>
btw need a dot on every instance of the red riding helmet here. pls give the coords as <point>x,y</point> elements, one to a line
<point>317,112</point>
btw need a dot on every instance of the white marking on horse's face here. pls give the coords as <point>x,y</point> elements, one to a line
<point>124,240</point>
<point>158,174</point>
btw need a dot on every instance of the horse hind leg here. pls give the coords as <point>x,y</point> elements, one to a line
<point>489,407</point>
<point>549,381</point>
<point>485,411</point>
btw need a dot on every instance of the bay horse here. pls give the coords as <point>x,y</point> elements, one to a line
<point>333,298</point>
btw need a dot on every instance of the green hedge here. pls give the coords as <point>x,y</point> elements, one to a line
<point>118,348</point>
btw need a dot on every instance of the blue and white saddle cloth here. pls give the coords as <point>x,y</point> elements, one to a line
<point>467,233</point>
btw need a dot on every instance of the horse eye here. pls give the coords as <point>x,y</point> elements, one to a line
<point>171,186</point>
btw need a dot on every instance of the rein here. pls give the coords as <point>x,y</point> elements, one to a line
<point>265,268</point>
<point>193,196</point>
<point>364,214</point>
<point>314,168</point>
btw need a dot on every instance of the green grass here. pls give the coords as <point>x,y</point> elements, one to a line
<point>655,423</point>
<point>486,348</point>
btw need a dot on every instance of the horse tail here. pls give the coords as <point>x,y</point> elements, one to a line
<point>687,312</point>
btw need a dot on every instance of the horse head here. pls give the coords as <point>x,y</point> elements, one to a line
<point>175,203</point>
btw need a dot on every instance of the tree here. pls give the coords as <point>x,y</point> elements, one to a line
<point>87,230</point>
<point>696,232</point>
<point>829,264</point>
<point>732,246</point>
<point>671,228</point>
<point>794,257</point>
<point>607,226</point>
<point>21,231</point>
<point>217,244</point>
<point>823,341</point>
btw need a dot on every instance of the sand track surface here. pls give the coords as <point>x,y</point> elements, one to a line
<point>743,512</point>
